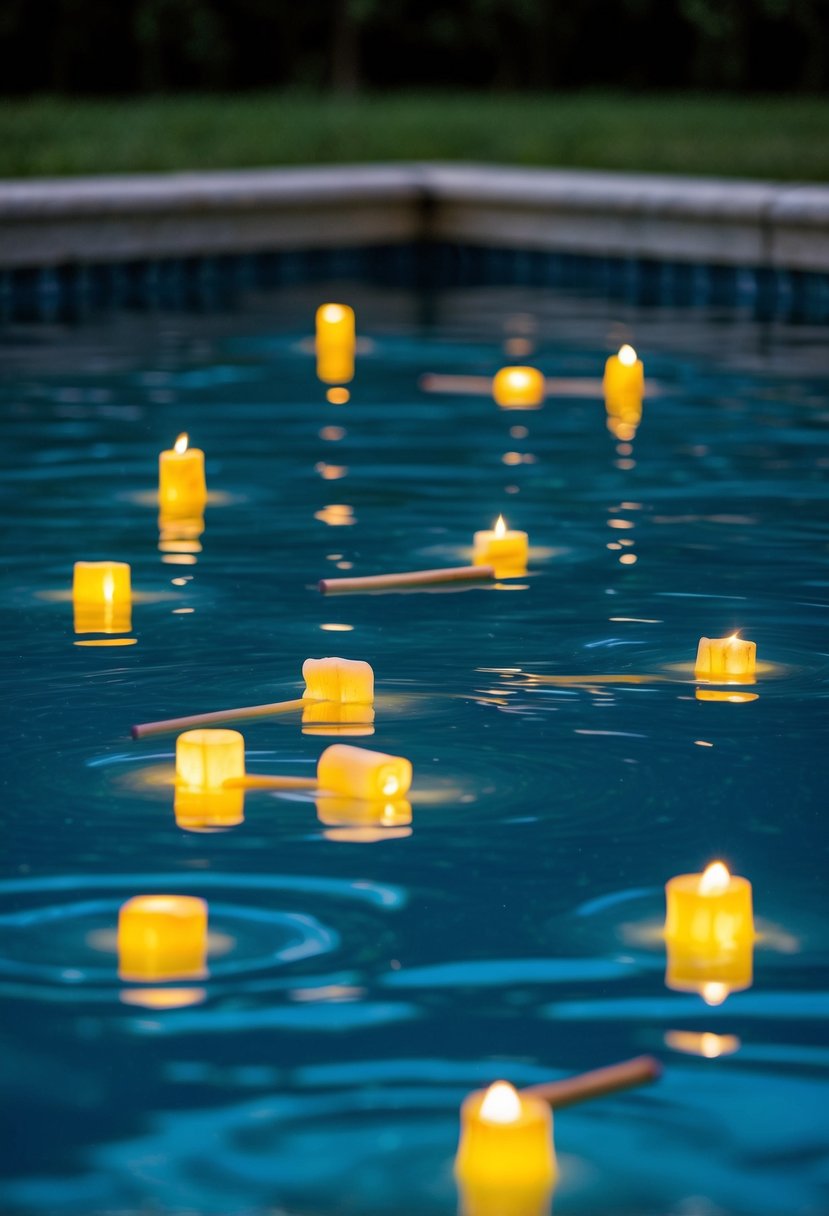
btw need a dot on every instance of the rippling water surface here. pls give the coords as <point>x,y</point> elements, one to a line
<point>360,984</point>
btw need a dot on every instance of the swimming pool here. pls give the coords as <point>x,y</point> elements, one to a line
<point>362,983</point>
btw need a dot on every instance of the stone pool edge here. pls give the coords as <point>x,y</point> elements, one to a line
<point>97,220</point>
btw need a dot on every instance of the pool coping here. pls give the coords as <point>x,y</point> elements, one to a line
<point>717,221</point>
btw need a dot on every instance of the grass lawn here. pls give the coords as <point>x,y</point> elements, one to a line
<point>765,137</point>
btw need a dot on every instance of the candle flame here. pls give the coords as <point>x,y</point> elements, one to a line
<point>390,786</point>
<point>180,446</point>
<point>715,879</point>
<point>500,527</point>
<point>627,355</point>
<point>332,312</point>
<point>714,993</point>
<point>501,1104</point>
<point>734,637</point>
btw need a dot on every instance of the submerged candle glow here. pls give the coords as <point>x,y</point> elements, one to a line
<point>182,488</point>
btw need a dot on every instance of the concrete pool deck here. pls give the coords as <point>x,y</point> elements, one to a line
<point>96,220</point>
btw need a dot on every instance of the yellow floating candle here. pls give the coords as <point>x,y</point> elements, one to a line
<point>182,488</point>
<point>624,380</point>
<point>162,937</point>
<point>335,343</point>
<point>505,1160</point>
<point>102,597</point>
<point>356,772</point>
<point>504,549</point>
<point>726,660</point>
<point>519,388</point>
<point>349,681</point>
<point>206,759</point>
<point>709,930</point>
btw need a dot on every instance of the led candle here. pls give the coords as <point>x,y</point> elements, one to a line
<point>162,937</point>
<point>709,930</point>
<point>205,759</point>
<point>181,484</point>
<point>624,381</point>
<point>102,597</point>
<point>505,1160</point>
<point>519,388</point>
<point>356,772</point>
<point>349,681</point>
<point>504,549</point>
<point>726,660</point>
<point>335,343</point>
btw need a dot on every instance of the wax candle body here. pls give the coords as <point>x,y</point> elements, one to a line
<point>182,488</point>
<point>350,681</point>
<point>205,759</point>
<point>506,1145</point>
<point>335,343</point>
<point>102,597</point>
<point>518,388</point>
<point>162,937</point>
<point>624,380</point>
<point>709,930</point>
<point>726,660</point>
<point>356,772</point>
<point>503,548</point>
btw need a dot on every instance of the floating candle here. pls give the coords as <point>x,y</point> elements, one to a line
<point>356,772</point>
<point>206,759</point>
<point>162,937</point>
<point>504,549</point>
<point>726,660</point>
<point>182,488</point>
<point>624,380</point>
<point>709,930</point>
<point>334,679</point>
<point>505,1149</point>
<point>518,388</point>
<point>335,343</point>
<point>102,597</point>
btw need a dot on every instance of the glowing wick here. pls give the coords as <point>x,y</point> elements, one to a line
<point>501,1104</point>
<point>500,527</point>
<point>715,879</point>
<point>180,445</point>
<point>714,993</point>
<point>627,355</point>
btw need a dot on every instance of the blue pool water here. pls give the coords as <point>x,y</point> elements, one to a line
<point>359,988</point>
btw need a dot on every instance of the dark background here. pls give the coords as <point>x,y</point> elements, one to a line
<point>143,46</point>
